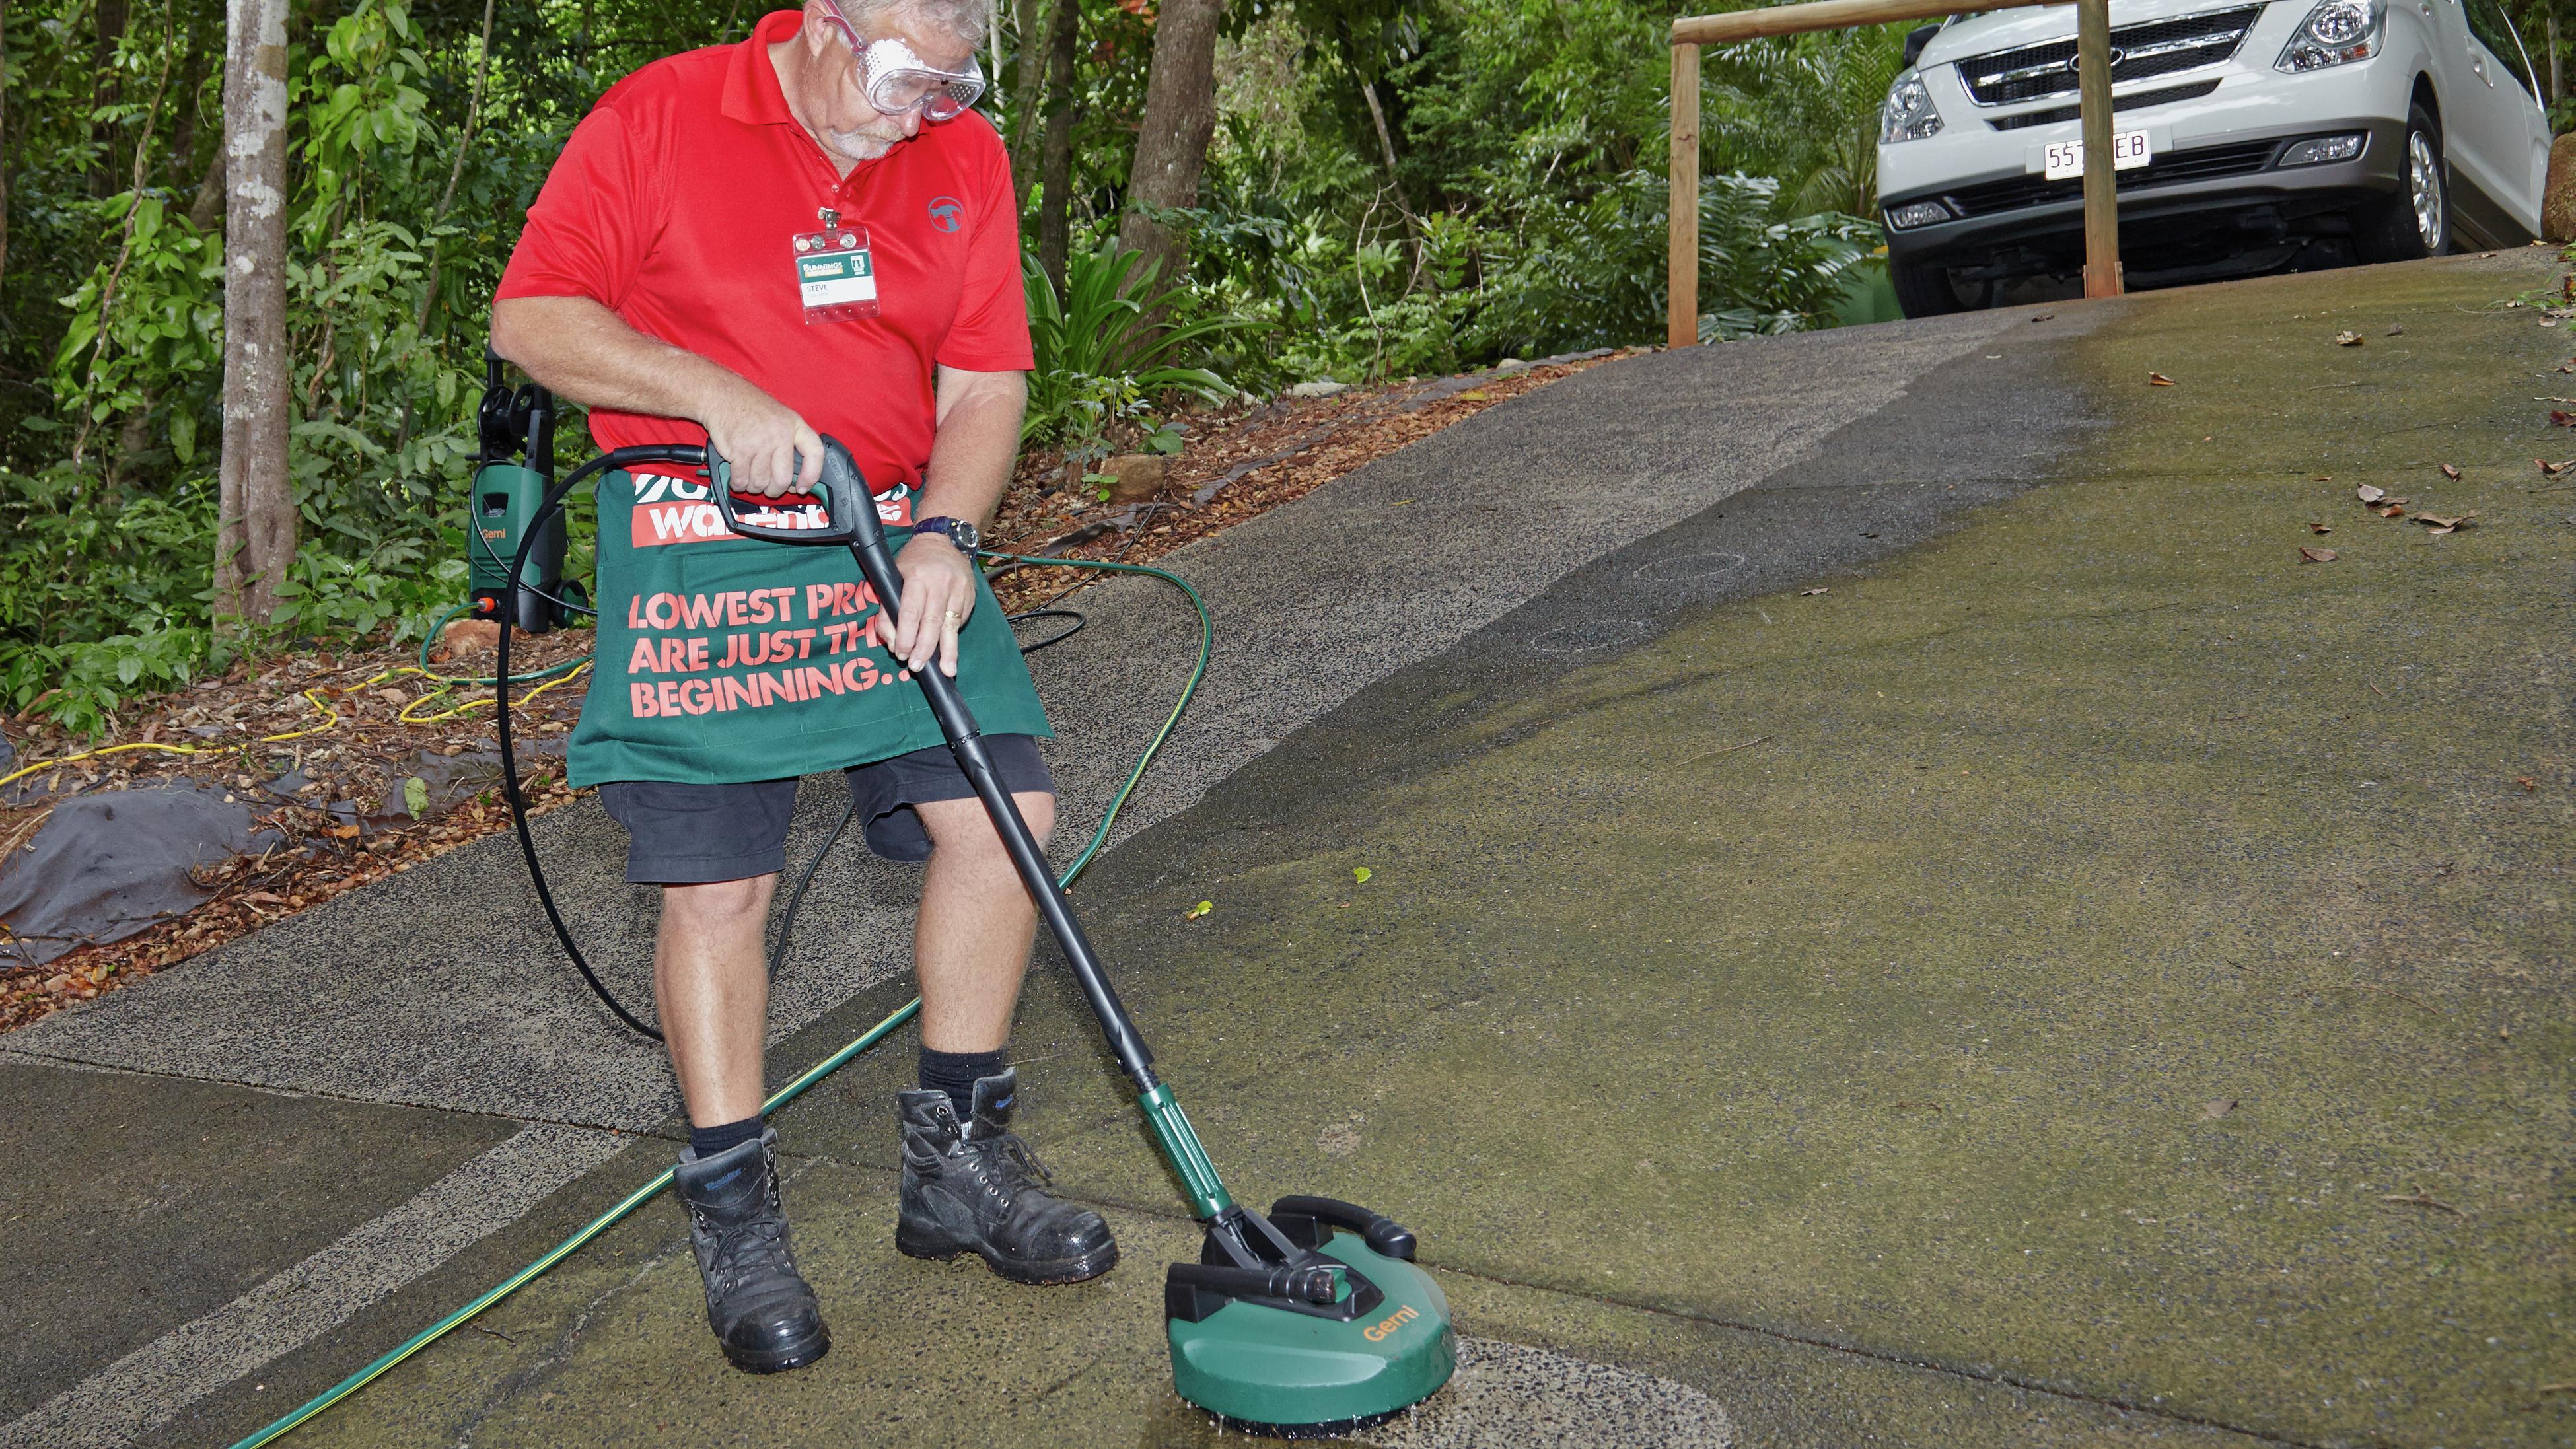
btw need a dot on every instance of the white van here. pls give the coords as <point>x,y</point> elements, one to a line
<point>2251,137</point>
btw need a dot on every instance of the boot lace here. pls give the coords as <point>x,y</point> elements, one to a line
<point>746,1249</point>
<point>1006,1168</point>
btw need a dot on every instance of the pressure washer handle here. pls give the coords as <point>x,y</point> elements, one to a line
<point>966,742</point>
<point>1383,1234</point>
<point>1311,1284</point>
<point>849,510</point>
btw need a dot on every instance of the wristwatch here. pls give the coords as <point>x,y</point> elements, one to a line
<point>956,530</point>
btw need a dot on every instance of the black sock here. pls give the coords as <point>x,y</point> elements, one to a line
<point>956,1073</point>
<point>710,1141</point>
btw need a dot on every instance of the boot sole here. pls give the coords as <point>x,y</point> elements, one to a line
<point>1074,1270</point>
<point>781,1360</point>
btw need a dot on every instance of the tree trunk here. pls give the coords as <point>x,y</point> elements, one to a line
<point>1386,149</point>
<point>2554,91</point>
<point>4,140</point>
<point>1172,141</point>
<point>208,207</point>
<point>1055,173</point>
<point>104,90</point>
<point>255,528</point>
<point>1028,92</point>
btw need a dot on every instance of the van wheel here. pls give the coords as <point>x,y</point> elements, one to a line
<point>1928,291</point>
<point>2416,222</point>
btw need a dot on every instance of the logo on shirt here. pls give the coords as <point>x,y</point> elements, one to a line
<point>946,212</point>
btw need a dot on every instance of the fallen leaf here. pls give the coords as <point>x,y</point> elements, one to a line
<point>2347,338</point>
<point>2552,470</point>
<point>2439,524</point>
<point>416,796</point>
<point>2568,366</point>
<point>2396,329</point>
<point>1361,873</point>
<point>2527,783</point>
<point>2396,509</point>
<point>266,898</point>
<point>2211,1111</point>
<point>2314,527</point>
<point>2450,472</point>
<point>1201,909</point>
<point>2368,494</point>
<point>2042,316</point>
<point>394,697</point>
<point>345,832</point>
<point>1811,593</point>
<point>2316,555</point>
<point>2562,417</point>
<point>2158,379</point>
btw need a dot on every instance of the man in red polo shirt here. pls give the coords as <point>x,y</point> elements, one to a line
<point>752,245</point>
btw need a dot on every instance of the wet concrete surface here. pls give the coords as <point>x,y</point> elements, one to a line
<point>2083,977</point>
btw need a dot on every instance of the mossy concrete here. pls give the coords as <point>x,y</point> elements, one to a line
<point>2091,978</point>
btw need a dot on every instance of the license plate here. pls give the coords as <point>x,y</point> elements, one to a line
<point>2129,150</point>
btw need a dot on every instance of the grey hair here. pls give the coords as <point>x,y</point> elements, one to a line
<point>965,19</point>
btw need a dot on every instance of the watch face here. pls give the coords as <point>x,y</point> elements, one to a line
<point>965,535</point>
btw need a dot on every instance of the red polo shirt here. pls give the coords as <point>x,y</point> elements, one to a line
<point>674,203</point>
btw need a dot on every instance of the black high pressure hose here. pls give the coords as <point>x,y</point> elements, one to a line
<point>553,502</point>
<point>694,457</point>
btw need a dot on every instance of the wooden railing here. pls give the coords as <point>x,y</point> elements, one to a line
<point>2093,72</point>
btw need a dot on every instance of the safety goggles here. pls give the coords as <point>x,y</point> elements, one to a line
<point>897,81</point>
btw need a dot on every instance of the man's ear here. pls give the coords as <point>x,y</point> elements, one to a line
<point>818,34</point>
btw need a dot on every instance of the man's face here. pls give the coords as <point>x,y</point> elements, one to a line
<point>844,120</point>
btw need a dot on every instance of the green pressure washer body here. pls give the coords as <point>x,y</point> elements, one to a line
<point>514,465</point>
<point>1312,1320</point>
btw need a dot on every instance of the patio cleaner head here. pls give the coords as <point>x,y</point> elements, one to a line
<point>1309,1321</point>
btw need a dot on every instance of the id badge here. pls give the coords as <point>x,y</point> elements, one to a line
<point>835,276</point>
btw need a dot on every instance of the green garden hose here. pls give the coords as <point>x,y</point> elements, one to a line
<point>812,1074</point>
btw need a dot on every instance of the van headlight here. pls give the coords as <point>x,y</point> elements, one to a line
<point>2337,32</point>
<point>1908,114</point>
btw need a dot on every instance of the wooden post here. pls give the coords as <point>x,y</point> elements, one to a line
<point>1681,323</point>
<point>2101,183</point>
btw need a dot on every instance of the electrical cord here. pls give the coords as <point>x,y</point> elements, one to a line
<point>805,1079</point>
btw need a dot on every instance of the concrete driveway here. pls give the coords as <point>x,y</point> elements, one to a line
<point>1902,911</point>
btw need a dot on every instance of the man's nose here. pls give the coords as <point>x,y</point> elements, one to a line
<point>912,123</point>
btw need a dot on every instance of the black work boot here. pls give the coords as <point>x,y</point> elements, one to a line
<point>975,1189</point>
<point>757,1302</point>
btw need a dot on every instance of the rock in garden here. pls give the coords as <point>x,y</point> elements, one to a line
<point>1135,477</point>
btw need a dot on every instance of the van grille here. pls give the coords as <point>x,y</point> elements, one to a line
<point>2158,47</point>
<point>2200,163</point>
<point>2137,101</point>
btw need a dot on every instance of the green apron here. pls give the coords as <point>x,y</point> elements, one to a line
<point>721,659</point>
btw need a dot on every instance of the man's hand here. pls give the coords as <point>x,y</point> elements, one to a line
<point>588,354</point>
<point>938,595</point>
<point>771,449</point>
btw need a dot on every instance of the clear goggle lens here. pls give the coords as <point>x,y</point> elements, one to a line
<point>939,94</point>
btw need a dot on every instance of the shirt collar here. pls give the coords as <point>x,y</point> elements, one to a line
<point>751,92</point>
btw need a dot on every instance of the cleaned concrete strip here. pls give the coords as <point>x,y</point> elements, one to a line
<point>1532,1398</point>
<point>443,988</point>
<point>145,1388</point>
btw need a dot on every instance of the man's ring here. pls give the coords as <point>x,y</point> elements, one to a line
<point>952,614</point>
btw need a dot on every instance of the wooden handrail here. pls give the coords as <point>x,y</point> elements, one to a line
<point>1822,15</point>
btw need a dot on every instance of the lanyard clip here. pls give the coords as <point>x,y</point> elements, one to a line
<point>828,217</point>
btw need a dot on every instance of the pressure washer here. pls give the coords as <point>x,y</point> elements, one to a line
<point>514,460</point>
<point>1310,1320</point>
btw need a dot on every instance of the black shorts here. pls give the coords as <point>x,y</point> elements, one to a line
<point>693,834</point>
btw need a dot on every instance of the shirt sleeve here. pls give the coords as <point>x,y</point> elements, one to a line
<point>592,223</point>
<point>991,333</point>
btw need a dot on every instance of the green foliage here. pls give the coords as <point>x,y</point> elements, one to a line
<point>1100,357</point>
<point>1522,214</point>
